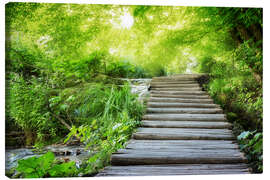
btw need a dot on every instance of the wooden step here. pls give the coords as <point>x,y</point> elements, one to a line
<point>180,100</point>
<point>180,105</point>
<point>183,144</point>
<point>174,85</point>
<point>173,82</point>
<point>185,117</point>
<point>186,124</point>
<point>152,158</point>
<point>181,96</point>
<point>173,79</point>
<point>175,169</point>
<point>179,92</point>
<point>177,89</point>
<point>185,110</point>
<point>183,134</point>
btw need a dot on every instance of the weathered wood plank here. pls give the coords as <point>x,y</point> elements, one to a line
<point>180,100</point>
<point>179,92</point>
<point>175,158</point>
<point>181,96</point>
<point>184,144</point>
<point>185,110</point>
<point>185,117</point>
<point>181,167</point>
<point>189,151</point>
<point>176,89</point>
<point>173,79</point>
<point>195,85</point>
<point>173,82</point>
<point>184,130</point>
<point>199,172</point>
<point>174,169</point>
<point>181,105</point>
<point>186,124</point>
<point>183,134</point>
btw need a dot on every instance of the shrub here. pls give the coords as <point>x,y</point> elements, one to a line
<point>124,69</point>
<point>45,166</point>
<point>28,107</point>
<point>110,116</point>
<point>251,143</point>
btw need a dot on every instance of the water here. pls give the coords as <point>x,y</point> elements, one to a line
<point>140,87</point>
<point>75,153</point>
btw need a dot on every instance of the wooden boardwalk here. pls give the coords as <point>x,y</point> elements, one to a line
<point>183,132</point>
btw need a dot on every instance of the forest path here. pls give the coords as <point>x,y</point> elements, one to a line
<point>183,132</point>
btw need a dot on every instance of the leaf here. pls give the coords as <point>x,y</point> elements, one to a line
<point>257,136</point>
<point>70,98</point>
<point>63,107</point>
<point>46,160</point>
<point>243,135</point>
<point>258,147</point>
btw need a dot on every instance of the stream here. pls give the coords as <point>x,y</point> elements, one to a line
<point>75,153</point>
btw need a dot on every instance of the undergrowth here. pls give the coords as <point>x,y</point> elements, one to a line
<point>238,89</point>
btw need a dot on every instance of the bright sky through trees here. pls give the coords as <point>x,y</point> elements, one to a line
<point>126,20</point>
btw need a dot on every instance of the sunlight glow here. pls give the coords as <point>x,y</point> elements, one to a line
<point>126,21</point>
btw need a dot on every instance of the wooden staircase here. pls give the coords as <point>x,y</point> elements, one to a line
<point>183,132</point>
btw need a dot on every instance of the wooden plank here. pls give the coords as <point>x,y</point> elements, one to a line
<point>145,158</point>
<point>173,79</point>
<point>199,172</point>
<point>177,89</point>
<point>186,124</point>
<point>175,169</point>
<point>185,110</point>
<point>180,167</point>
<point>180,100</point>
<point>183,130</point>
<point>181,105</point>
<point>181,96</point>
<point>194,151</point>
<point>180,92</point>
<point>195,85</point>
<point>183,134</point>
<point>184,144</point>
<point>172,82</point>
<point>185,117</point>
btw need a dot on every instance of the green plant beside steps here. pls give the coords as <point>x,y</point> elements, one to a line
<point>45,166</point>
<point>252,144</point>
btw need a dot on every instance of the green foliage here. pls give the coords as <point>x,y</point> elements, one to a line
<point>45,166</point>
<point>237,87</point>
<point>83,104</point>
<point>124,69</point>
<point>109,123</point>
<point>252,144</point>
<point>28,101</point>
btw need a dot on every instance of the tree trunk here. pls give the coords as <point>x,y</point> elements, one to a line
<point>30,137</point>
<point>243,32</point>
<point>235,36</point>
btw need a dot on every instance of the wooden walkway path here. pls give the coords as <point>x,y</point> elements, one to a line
<point>183,132</point>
